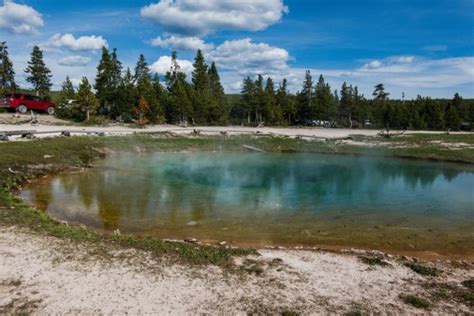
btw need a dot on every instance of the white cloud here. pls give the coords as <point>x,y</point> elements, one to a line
<point>411,75</point>
<point>19,19</point>
<point>250,58</point>
<point>373,64</point>
<point>74,61</point>
<point>405,59</point>
<point>202,17</point>
<point>163,65</point>
<point>83,43</point>
<point>390,64</point>
<point>182,43</point>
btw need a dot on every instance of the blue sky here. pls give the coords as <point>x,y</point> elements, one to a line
<point>417,46</point>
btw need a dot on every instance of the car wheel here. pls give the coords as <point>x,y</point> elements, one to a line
<point>50,110</point>
<point>22,109</point>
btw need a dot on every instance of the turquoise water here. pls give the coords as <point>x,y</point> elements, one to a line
<point>272,199</point>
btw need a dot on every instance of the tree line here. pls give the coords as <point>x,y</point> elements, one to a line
<point>260,102</point>
<point>137,95</point>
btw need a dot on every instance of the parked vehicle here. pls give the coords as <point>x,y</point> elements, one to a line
<point>24,102</point>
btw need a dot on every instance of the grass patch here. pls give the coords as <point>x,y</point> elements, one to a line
<point>416,301</point>
<point>451,292</point>
<point>252,267</point>
<point>423,270</point>
<point>374,261</point>
<point>469,284</point>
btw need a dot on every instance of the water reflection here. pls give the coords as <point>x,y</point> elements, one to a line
<point>258,194</point>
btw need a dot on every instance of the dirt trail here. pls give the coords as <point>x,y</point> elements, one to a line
<point>49,124</point>
<point>46,275</point>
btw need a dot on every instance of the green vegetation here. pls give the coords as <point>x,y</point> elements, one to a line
<point>252,267</point>
<point>469,284</point>
<point>373,260</point>
<point>200,100</point>
<point>424,270</point>
<point>38,74</point>
<point>7,73</point>
<point>451,292</point>
<point>416,301</point>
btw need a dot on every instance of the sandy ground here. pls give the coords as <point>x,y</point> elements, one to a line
<point>46,275</point>
<point>8,122</point>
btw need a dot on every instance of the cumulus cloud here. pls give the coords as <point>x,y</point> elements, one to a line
<point>83,43</point>
<point>19,19</point>
<point>202,17</point>
<point>182,43</point>
<point>74,61</point>
<point>249,57</point>
<point>373,64</point>
<point>163,65</point>
<point>408,74</point>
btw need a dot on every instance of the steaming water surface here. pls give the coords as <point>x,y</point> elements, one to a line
<point>272,199</point>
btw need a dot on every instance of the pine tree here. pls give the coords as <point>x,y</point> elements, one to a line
<point>434,114</point>
<point>116,69</point>
<point>178,106</point>
<point>346,104</point>
<point>285,103</point>
<point>248,99</point>
<point>141,69</point>
<point>261,100</point>
<point>104,81</point>
<point>383,111</point>
<point>325,105</point>
<point>305,100</point>
<point>64,110</point>
<point>201,90</point>
<point>86,99</point>
<point>175,69</point>
<point>126,97</point>
<point>7,73</point>
<point>145,88</point>
<point>379,92</point>
<point>67,89</point>
<point>453,121</point>
<point>219,111</point>
<point>270,110</point>
<point>39,75</point>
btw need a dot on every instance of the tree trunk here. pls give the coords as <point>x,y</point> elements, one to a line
<point>87,115</point>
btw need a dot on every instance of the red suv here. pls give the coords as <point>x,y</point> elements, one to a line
<point>24,102</point>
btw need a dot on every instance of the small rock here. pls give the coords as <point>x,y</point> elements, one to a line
<point>191,240</point>
<point>117,232</point>
<point>222,243</point>
<point>192,223</point>
<point>48,156</point>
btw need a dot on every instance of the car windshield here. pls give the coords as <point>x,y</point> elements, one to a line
<point>8,96</point>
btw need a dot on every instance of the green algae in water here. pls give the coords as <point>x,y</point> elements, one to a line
<point>272,199</point>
